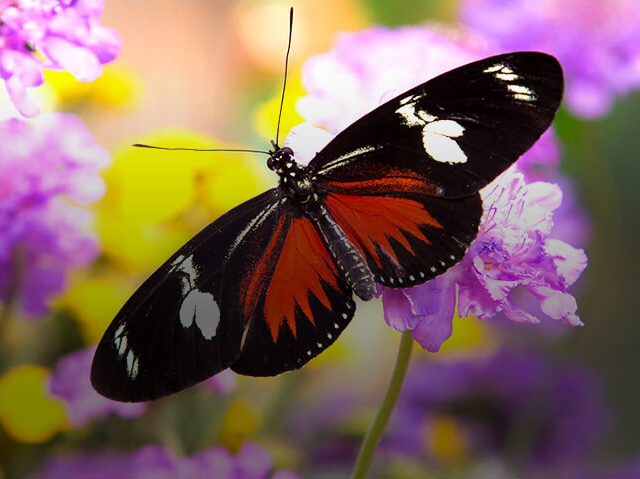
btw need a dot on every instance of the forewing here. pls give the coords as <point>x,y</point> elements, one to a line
<point>453,134</point>
<point>183,324</point>
<point>296,303</point>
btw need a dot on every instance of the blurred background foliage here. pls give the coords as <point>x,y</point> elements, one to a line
<point>209,74</point>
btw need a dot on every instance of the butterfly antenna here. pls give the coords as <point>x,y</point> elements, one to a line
<point>286,68</point>
<point>140,145</point>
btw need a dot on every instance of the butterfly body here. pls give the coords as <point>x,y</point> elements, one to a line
<point>298,183</point>
<point>391,200</point>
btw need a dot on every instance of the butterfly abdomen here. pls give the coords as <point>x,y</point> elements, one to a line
<point>347,257</point>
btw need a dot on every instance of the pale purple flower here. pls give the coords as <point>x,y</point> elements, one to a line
<point>49,169</point>
<point>512,252</point>
<point>70,382</point>
<point>496,401</point>
<point>251,462</point>
<point>64,33</point>
<point>597,42</point>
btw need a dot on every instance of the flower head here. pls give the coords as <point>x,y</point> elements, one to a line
<point>49,169</point>
<point>596,75</point>
<point>512,252</point>
<point>55,34</point>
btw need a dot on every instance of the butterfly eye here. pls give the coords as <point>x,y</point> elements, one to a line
<point>286,151</point>
<point>271,163</point>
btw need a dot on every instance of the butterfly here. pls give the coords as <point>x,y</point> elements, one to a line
<point>391,200</point>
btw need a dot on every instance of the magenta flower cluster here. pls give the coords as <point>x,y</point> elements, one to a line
<point>51,34</point>
<point>49,170</point>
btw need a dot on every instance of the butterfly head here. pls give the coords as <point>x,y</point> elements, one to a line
<point>280,159</point>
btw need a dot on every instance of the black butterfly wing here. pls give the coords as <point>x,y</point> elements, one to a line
<point>403,180</point>
<point>183,324</point>
<point>454,133</point>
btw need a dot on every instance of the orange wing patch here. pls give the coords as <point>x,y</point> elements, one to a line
<point>303,262</point>
<point>368,220</point>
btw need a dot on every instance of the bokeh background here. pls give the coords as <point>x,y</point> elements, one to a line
<point>209,74</point>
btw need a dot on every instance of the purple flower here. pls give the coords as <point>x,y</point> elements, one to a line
<point>49,169</point>
<point>512,252</point>
<point>608,64</point>
<point>528,413</point>
<point>54,34</point>
<point>251,462</point>
<point>70,381</point>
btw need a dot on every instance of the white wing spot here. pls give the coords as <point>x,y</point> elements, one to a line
<point>119,331</point>
<point>422,275</point>
<point>437,139</point>
<point>413,117</point>
<point>319,345</point>
<point>502,72</point>
<point>309,352</point>
<point>329,336</point>
<point>132,365</point>
<point>345,316</point>
<point>122,346</point>
<point>521,92</point>
<point>202,308</point>
<point>412,277</point>
<point>336,326</point>
<point>506,76</point>
<point>433,269</point>
<point>493,68</point>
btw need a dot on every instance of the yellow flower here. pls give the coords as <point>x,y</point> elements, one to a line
<point>156,200</point>
<point>265,119</point>
<point>240,423</point>
<point>27,411</point>
<point>445,439</point>
<point>115,87</point>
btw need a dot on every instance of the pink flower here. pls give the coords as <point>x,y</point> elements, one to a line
<point>513,251</point>
<point>49,169</point>
<point>64,32</point>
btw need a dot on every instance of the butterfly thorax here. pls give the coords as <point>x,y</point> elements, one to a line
<point>295,180</point>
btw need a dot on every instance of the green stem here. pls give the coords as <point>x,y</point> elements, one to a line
<point>373,434</point>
